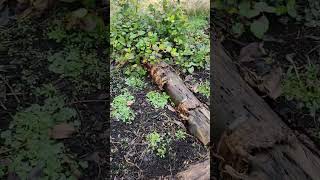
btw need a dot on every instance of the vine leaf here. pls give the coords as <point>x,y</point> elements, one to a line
<point>260,26</point>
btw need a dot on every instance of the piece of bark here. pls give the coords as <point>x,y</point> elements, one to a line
<point>200,171</point>
<point>190,108</point>
<point>251,137</point>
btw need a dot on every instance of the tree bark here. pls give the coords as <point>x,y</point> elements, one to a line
<point>200,171</point>
<point>195,113</point>
<point>253,140</point>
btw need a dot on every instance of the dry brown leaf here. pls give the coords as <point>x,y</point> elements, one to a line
<point>251,51</point>
<point>194,88</point>
<point>62,131</point>
<point>171,108</point>
<point>129,103</point>
<point>272,83</point>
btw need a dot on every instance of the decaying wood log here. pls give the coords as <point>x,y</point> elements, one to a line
<point>255,143</point>
<point>200,171</point>
<point>190,108</point>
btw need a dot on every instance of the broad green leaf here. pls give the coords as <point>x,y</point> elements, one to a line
<point>260,26</point>
<point>80,13</point>
<point>238,28</point>
<point>291,7</point>
<point>245,10</point>
<point>264,7</point>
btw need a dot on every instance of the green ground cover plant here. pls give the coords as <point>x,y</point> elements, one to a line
<point>120,108</point>
<point>29,145</point>
<point>135,75</point>
<point>159,33</point>
<point>304,87</point>
<point>158,100</point>
<point>180,135</point>
<point>158,144</point>
<point>253,13</point>
<point>204,89</point>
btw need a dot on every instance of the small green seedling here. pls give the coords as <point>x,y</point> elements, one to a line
<point>135,82</point>
<point>158,144</point>
<point>120,108</point>
<point>158,100</point>
<point>304,87</point>
<point>180,135</point>
<point>204,89</point>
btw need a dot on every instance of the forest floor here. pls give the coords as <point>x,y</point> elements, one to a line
<point>53,97</point>
<point>147,116</point>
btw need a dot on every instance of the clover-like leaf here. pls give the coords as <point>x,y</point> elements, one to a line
<point>260,26</point>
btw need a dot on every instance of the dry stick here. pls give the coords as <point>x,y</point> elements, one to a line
<point>11,89</point>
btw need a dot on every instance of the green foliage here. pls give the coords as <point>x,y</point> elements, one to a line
<point>29,144</point>
<point>77,62</point>
<point>312,13</point>
<point>158,33</point>
<point>180,135</point>
<point>204,88</point>
<point>135,74</point>
<point>158,100</point>
<point>252,13</point>
<point>135,82</point>
<point>157,143</point>
<point>120,108</point>
<point>304,87</point>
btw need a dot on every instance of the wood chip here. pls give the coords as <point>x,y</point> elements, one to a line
<point>62,131</point>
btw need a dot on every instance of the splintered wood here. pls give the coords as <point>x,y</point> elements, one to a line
<point>200,171</point>
<point>195,113</point>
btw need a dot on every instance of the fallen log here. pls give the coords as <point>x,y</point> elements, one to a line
<point>200,171</point>
<point>253,140</point>
<point>195,113</point>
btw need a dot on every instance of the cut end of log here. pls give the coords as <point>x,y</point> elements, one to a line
<point>200,171</point>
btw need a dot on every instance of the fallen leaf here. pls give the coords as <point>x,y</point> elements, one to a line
<point>89,23</point>
<point>80,13</point>
<point>129,103</point>
<point>272,83</point>
<point>251,52</point>
<point>194,88</point>
<point>62,131</point>
<point>171,108</point>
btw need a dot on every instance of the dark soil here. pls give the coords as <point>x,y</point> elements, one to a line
<point>24,48</point>
<point>130,156</point>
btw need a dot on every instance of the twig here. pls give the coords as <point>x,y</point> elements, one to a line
<point>3,106</point>
<point>87,101</point>
<point>289,58</point>
<point>11,89</point>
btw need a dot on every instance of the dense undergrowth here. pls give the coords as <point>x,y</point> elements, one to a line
<point>159,33</point>
<point>253,15</point>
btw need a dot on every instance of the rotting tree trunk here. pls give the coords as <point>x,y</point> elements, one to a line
<point>255,143</point>
<point>195,113</point>
<point>200,171</point>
